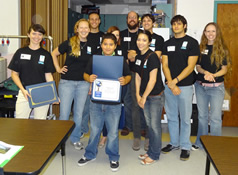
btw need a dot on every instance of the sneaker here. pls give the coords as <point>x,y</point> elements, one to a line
<point>136,144</point>
<point>78,145</point>
<point>169,148</point>
<point>83,161</point>
<point>184,154</point>
<point>125,131</point>
<point>114,165</point>
<point>146,144</point>
<point>195,147</point>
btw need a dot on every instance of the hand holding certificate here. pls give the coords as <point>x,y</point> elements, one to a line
<point>108,69</point>
<point>42,94</point>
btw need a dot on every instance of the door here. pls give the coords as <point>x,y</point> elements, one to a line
<point>227,19</point>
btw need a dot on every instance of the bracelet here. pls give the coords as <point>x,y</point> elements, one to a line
<point>177,79</point>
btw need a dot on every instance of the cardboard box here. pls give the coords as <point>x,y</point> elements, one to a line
<point>226,106</point>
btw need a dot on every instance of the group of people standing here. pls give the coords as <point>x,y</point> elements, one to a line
<point>144,93</point>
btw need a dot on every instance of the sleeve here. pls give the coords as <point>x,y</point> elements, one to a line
<point>159,43</point>
<point>15,62</point>
<point>224,62</point>
<point>153,62</point>
<point>199,59</point>
<point>64,46</point>
<point>194,48</point>
<point>89,66</point>
<point>49,66</point>
<point>164,50</point>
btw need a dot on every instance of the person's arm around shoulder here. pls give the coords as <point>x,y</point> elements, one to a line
<point>17,81</point>
<point>55,54</point>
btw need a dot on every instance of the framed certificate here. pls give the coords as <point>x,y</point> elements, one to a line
<point>106,90</point>
<point>106,87</point>
<point>42,94</point>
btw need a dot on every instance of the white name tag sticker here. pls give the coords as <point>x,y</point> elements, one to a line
<point>171,48</point>
<point>25,57</point>
<point>152,48</point>
<point>205,52</point>
<point>89,50</point>
<point>138,62</point>
<point>184,45</point>
<point>119,52</point>
<point>127,39</point>
<point>42,58</point>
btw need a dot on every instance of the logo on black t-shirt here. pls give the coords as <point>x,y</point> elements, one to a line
<point>41,59</point>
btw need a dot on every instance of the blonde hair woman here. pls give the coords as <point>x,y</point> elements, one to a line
<point>72,86</point>
<point>213,64</point>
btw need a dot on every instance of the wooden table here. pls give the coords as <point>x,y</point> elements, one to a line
<point>222,152</point>
<point>40,138</point>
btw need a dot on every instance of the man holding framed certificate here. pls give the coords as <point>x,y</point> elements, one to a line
<point>107,78</point>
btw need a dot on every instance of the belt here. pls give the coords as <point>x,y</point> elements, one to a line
<point>157,95</point>
<point>209,84</point>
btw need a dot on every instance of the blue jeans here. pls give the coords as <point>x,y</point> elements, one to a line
<point>70,90</point>
<point>85,117</point>
<point>138,120</point>
<point>175,106</point>
<point>127,106</point>
<point>110,114</point>
<point>205,96</point>
<point>153,111</point>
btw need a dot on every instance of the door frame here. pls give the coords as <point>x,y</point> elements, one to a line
<point>221,2</point>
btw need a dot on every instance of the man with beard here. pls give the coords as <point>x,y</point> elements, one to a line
<point>134,118</point>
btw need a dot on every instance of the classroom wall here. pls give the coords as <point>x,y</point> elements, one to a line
<point>198,13</point>
<point>10,24</point>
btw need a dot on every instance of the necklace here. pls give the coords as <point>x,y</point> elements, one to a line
<point>81,47</point>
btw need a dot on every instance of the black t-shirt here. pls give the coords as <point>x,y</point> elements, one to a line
<point>128,42</point>
<point>205,63</point>
<point>126,71</point>
<point>150,64</point>
<point>75,65</point>
<point>32,65</point>
<point>94,40</point>
<point>178,50</point>
<point>157,42</point>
